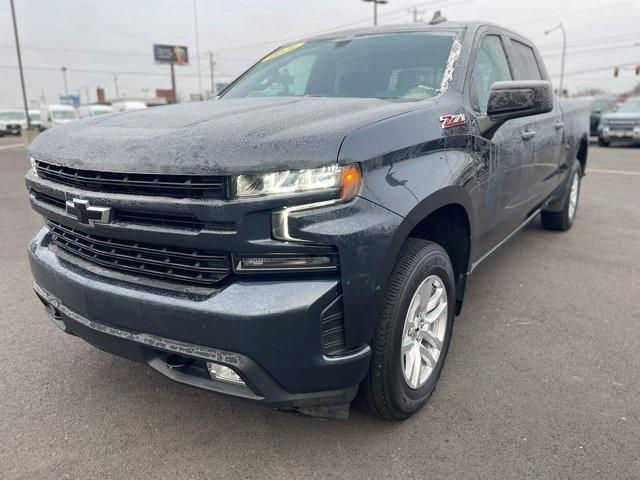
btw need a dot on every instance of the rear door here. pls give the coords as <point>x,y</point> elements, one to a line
<point>544,172</point>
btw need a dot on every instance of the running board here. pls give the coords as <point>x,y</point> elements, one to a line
<point>520,227</point>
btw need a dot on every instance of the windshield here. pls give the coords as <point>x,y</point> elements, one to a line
<point>13,116</point>
<point>400,66</point>
<point>631,106</point>
<point>63,115</point>
<point>35,117</point>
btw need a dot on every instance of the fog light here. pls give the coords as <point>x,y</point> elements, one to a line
<point>286,263</point>
<point>224,374</point>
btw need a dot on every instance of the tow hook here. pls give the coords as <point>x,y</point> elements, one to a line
<point>177,361</point>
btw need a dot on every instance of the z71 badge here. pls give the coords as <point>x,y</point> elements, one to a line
<point>453,120</point>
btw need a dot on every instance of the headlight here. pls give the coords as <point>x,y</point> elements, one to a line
<point>34,168</point>
<point>345,181</point>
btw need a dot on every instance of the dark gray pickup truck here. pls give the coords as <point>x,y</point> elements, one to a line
<point>307,235</point>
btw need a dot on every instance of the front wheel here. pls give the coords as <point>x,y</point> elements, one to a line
<point>563,220</point>
<point>412,336</point>
<point>602,142</point>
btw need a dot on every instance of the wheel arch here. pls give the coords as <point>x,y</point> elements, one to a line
<point>446,217</point>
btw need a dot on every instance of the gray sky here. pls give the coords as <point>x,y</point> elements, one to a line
<point>95,39</point>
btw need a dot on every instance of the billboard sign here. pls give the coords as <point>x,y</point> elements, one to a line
<point>171,54</point>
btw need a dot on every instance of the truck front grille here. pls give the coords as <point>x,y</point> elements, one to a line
<point>169,263</point>
<point>180,186</point>
<point>183,222</point>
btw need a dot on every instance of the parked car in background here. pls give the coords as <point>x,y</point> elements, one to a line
<point>600,105</point>
<point>87,111</point>
<point>621,126</point>
<point>52,115</point>
<point>12,122</point>
<point>128,106</point>
<point>34,117</point>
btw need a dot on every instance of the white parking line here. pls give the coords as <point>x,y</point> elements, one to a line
<point>617,172</point>
<point>12,145</point>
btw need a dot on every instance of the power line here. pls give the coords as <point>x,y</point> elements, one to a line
<point>575,12</point>
<point>594,51</point>
<point>590,41</point>
<point>340,27</point>
<point>229,8</point>
<point>120,72</point>
<point>108,52</point>
<point>597,69</point>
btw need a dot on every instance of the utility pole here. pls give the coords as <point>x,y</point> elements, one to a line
<point>173,82</point>
<point>115,82</point>
<point>415,12</point>
<point>375,8</point>
<point>24,90</point>
<point>212,65</point>
<point>564,52</point>
<point>64,77</point>
<point>195,19</point>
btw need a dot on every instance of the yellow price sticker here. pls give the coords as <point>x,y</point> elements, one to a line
<point>282,51</point>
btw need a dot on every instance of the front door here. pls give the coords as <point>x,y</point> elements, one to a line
<point>502,198</point>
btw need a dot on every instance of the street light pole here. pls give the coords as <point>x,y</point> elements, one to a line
<point>115,83</point>
<point>195,19</point>
<point>64,77</point>
<point>212,65</point>
<point>24,90</point>
<point>375,8</point>
<point>564,53</point>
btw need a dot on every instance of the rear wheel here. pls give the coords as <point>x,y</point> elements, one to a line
<point>413,334</point>
<point>563,220</point>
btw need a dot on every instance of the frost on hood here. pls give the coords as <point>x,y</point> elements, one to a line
<point>456,48</point>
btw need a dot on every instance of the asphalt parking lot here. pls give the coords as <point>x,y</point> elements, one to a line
<point>542,379</point>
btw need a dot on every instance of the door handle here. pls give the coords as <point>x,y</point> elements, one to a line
<point>559,125</point>
<point>527,134</point>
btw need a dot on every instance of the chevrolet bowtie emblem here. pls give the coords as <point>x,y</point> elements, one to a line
<point>87,214</point>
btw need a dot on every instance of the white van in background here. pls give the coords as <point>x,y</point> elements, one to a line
<point>12,122</point>
<point>34,117</point>
<point>52,115</point>
<point>128,106</point>
<point>87,111</point>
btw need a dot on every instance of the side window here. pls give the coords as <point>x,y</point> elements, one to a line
<point>491,66</point>
<point>525,65</point>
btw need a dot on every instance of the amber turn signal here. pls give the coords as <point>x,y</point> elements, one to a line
<point>350,181</point>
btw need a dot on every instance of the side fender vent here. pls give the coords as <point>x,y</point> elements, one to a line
<point>332,328</point>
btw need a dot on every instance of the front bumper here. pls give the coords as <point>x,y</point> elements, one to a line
<point>11,130</point>
<point>631,134</point>
<point>267,331</point>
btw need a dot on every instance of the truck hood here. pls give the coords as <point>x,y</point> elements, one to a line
<point>221,137</point>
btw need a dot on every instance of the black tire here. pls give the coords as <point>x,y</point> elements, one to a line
<point>603,143</point>
<point>562,221</point>
<point>384,391</point>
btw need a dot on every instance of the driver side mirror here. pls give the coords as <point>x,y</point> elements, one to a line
<point>519,98</point>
